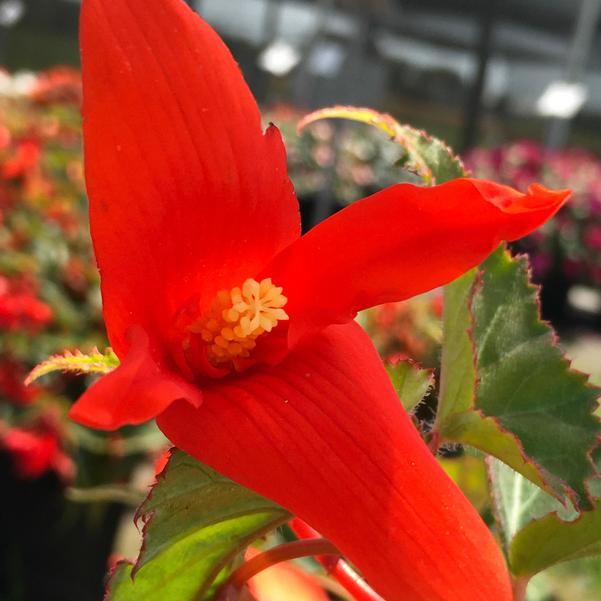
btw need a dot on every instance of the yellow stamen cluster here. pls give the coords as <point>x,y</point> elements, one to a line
<point>238,317</point>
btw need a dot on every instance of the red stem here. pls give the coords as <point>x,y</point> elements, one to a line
<point>337,567</point>
<point>435,441</point>
<point>519,588</point>
<point>285,552</point>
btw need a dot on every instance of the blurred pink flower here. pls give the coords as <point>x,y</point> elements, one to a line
<point>592,237</point>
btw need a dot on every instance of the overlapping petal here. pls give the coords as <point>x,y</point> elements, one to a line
<point>186,193</point>
<point>325,436</point>
<point>136,392</point>
<point>398,243</point>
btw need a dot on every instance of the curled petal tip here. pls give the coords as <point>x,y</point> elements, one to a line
<point>521,213</point>
<point>508,200</point>
<point>539,197</point>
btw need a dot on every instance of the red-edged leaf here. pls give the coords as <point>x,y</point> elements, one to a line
<point>196,522</point>
<point>517,398</point>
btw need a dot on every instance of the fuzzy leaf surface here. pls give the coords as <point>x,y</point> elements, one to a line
<point>522,403</point>
<point>196,523</point>
<point>411,382</point>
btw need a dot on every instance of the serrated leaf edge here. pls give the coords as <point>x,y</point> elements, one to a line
<point>508,543</point>
<point>147,518</point>
<point>111,576</point>
<point>395,130</point>
<point>552,514</point>
<point>75,362</point>
<point>431,374</point>
<point>554,341</point>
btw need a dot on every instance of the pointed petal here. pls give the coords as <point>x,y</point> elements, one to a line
<point>186,193</point>
<point>324,435</point>
<point>138,390</point>
<point>398,243</point>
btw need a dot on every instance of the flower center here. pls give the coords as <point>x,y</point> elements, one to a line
<point>238,317</point>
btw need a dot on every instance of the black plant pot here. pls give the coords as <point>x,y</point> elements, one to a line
<point>51,549</point>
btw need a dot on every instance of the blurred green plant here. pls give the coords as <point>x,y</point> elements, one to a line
<point>49,285</point>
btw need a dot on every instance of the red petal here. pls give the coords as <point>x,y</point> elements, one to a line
<point>400,242</point>
<point>138,390</point>
<point>324,435</point>
<point>186,193</point>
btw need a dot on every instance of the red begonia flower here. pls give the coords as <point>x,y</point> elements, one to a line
<point>237,334</point>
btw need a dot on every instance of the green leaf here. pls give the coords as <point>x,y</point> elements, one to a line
<point>411,382</point>
<point>196,522</point>
<point>427,156</point>
<point>458,370</point>
<point>520,402</point>
<point>77,363</point>
<point>518,502</point>
<point>538,531</point>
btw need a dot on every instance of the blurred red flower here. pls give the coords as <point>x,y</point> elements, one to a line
<point>26,156</point>
<point>61,84</point>
<point>20,309</point>
<point>12,387</point>
<point>36,453</point>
